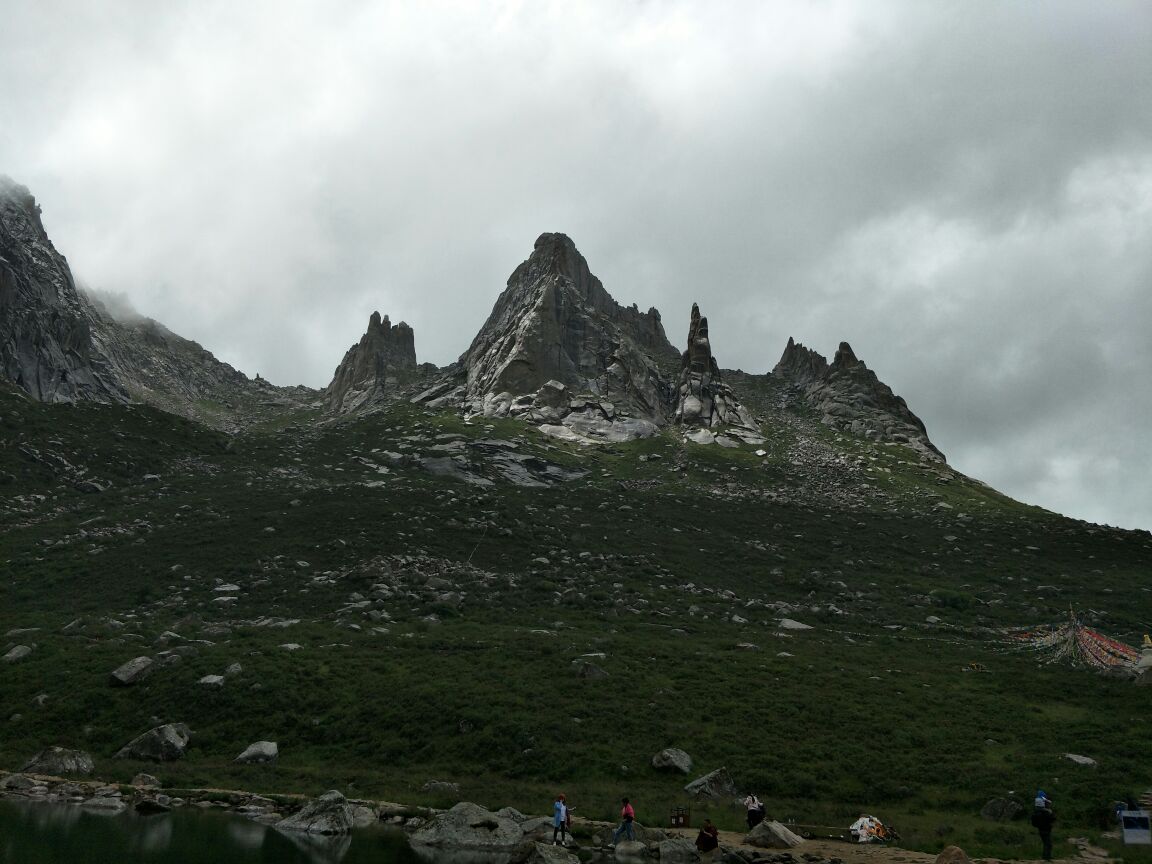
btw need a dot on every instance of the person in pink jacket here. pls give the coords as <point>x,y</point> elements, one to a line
<point>627,817</point>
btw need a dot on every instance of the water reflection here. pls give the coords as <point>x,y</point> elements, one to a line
<point>41,832</point>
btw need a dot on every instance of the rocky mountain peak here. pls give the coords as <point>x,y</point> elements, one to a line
<point>800,365</point>
<point>384,357</point>
<point>849,396</point>
<point>703,399</point>
<point>46,345</point>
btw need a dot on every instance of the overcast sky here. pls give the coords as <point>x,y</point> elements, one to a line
<point>962,190</point>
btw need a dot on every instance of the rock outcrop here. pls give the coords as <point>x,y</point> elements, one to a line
<point>703,399</point>
<point>163,744</point>
<point>46,345</point>
<point>384,357</point>
<point>773,835</point>
<point>328,814</point>
<point>59,762</point>
<point>559,351</point>
<point>672,759</point>
<point>849,396</point>
<point>259,752</point>
<point>470,826</point>
<point>715,785</point>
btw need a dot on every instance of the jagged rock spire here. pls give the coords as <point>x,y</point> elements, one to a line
<point>703,399</point>
<point>384,356</point>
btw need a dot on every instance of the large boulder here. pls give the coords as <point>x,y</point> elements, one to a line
<point>672,759</point>
<point>60,762</point>
<point>132,672</point>
<point>678,850</point>
<point>546,853</point>
<point>714,786</point>
<point>773,835</point>
<point>328,814</point>
<point>17,653</point>
<point>952,855</point>
<point>259,752</point>
<point>165,743</point>
<point>469,826</point>
<point>631,850</point>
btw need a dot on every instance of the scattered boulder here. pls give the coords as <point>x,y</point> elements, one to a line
<point>714,785</point>
<point>773,835</point>
<point>952,855</point>
<point>17,653</point>
<point>1086,761</point>
<point>165,743</point>
<point>1001,809</point>
<point>678,850</point>
<point>145,781</point>
<point>60,762</point>
<point>469,826</point>
<point>213,682</point>
<point>132,672</point>
<point>328,814</point>
<point>259,752</point>
<point>672,759</point>
<point>546,853</point>
<point>584,669</point>
<point>631,850</point>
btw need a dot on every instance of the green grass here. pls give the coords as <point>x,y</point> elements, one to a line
<point>461,688</point>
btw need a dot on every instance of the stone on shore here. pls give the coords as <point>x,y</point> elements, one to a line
<point>163,744</point>
<point>672,759</point>
<point>328,814</point>
<point>773,835</point>
<point>258,752</point>
<point>469,826</point>
<point>60,762</point>
<point>678,850</point>
<point>145,781</point>
<point>546,853</point>
<point>631,850</point>
<point>952,855</point>
<point>132,672</point>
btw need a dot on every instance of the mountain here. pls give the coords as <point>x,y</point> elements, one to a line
<point>384,358</point>
<point>461,590</point>
<point>849,396</point>
<point>62,344</point>
<point>46,344</point>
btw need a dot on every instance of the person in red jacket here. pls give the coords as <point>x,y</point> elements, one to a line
<point>708,838</point>
<point>627,817</point>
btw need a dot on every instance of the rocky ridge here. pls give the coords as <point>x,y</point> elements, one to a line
<point>384,357</point>
<point>850,397</point>
<point>46,344</point>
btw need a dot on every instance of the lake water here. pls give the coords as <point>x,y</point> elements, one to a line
<point>42,833</point>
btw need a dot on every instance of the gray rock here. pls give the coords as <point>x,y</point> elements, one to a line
<point>584,669</point>
<point>672,759</point>
<point>132,672</point>
<point>165,743</point>
<point>703,399</point>
<point>715,785</point>
<point>383,360</point>
<point>546,853</point>
<point>1086,761</point>
<point>678,850</point>
<point>630,850</point>
<point>107,806</point>
<point>773,835</point>
<point>328,814</point>
<point>469,826</point>
<point>145,781</point>
<point>213,682</point>
<point>259,752</point>
<point>17,653</point>
<point>60,762</point>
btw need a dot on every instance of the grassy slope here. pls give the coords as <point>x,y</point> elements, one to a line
<point>479,688</point>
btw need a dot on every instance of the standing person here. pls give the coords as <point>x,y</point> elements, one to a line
<point>1042,819</point>
<point>627,817</point>
<point>755,810</point>
<point>708,838</point>
<point>559,819</point>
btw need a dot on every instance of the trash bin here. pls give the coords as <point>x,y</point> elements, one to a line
<point>1136,828</point>
<point>681,817</point>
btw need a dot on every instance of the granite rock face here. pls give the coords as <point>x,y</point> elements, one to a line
<point>60,762</point>
<point>703,399</point>
<point>46,345</point>
<point>163,744</point>
<point>384,357</point>
<point>849,396</point>
<point>557,349</point>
